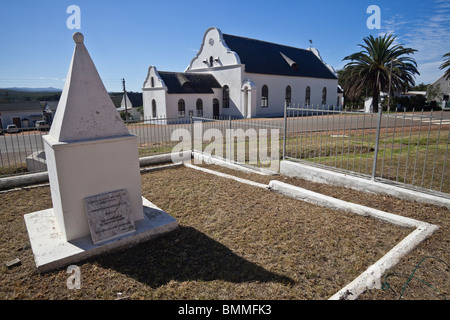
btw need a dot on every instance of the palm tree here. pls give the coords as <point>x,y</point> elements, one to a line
<point>446,64</point>
<point>381,66</point>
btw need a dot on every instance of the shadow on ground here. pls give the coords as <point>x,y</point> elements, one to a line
<point>186,254</point>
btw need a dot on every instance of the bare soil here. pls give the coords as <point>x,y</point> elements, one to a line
<point>235,241</point>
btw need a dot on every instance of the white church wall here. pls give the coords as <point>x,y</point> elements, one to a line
<point>157,94</point>
<point>277,92</point>
<point>231,77</point>
<point>190,102</point>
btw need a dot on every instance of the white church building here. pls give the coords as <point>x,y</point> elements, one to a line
<point>240,77</point>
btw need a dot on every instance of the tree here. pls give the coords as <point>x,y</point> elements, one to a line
<point>372,68</point>
<point>420,87</point>
<point>446,64</point>
<point>350,100</point>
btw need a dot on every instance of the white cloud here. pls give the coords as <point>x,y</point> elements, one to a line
<point>429,72</point>
<point>430,35</point>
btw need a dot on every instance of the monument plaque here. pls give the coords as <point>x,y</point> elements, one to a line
<point>109,215</point>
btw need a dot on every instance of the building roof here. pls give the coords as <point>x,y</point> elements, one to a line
<point>179,82</point>
<point>51,105</point>
<point>21,106</point>
<point>271,58</point>
<point>135,99</point>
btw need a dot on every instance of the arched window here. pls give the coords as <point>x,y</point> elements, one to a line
<point>211,61</point>
<point>216,109</point>
<point>308,96</point>
<point>288,96</point>
<point>181,108</point>
<point>324,96</point>
<point>265,97</point>
<point>153,108</point>
<point>199,108</point>
<point>152,82</point>
<point>226,97</point>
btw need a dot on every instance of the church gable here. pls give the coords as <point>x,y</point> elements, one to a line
<point>153,80</point>
<point>213,52</point>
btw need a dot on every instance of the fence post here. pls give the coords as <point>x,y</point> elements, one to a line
<point>230,143</point>
<point>192,133</point>
<point>377,141</point>
<point>284,130</point>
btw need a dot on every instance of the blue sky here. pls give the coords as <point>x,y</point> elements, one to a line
<point>125,37</point>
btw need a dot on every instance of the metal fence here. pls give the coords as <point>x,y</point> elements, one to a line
<point>21,152</point>
<point>250,142</point>
<point>409,148</point>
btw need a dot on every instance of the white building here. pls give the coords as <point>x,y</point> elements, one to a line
<point>131,102</point>
<point>439,91</point>
<point>240,77</point>
<point>22,114</point>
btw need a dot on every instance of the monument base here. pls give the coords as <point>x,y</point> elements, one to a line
<point>52,251</point>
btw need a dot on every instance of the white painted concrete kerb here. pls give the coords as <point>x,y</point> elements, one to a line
<point>371,278</point>
<point>314,174</point>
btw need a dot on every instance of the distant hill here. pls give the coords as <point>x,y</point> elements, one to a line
<point>18,94</point>
<point>22,89</point>
<point>29,94</point>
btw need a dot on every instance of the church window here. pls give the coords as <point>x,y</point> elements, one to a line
<point>181,108</point>
<point>154,108</point>
<point>199,108</point>
<point>288,96</point>
<point>308,96</point>
<point>226,97</point>
<point>265,97</point>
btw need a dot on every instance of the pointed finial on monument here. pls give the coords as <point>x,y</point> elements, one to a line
<point>85,110</point>
<point>78,37</point>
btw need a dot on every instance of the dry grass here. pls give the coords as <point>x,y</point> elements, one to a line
<point>234,242</point>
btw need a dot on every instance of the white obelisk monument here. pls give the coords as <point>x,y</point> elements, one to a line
<point>93,168</point>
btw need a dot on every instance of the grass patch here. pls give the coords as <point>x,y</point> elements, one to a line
<point>8,171</point>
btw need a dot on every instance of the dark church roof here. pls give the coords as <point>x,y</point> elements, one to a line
<point>270,58</point>
<point>179,82</point>
<point>135,98</point>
